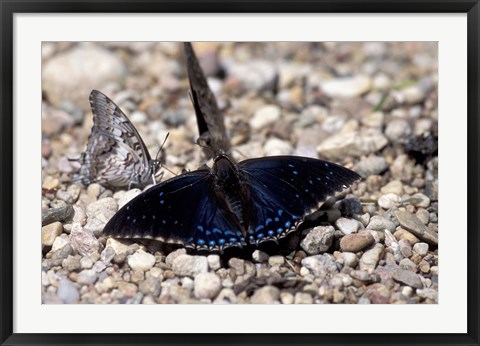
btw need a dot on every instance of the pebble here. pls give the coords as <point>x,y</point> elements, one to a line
<point>419,200</point>
<point>380,223</point>
<point>255,74</point>
<point>265,116</point>
<point>87,277</point>
<point>389,201</point>
<point>141,260</point>
<point>128,196</point>
<point>320,265</point>
<point>408,278</point>
<point>86,263</point>
<point>68,292</point>
<point>207,285</point>
<point>286,298</point>
<point>107,255</point>
<point>347,87</point>
<point>259,256</point>
<point>173,255</point>
<point>276,261</point>
<point>356,241</point>
<point>83,241</point>
<point>71,263</point>
<point>186,265</point>
<point>371,165</point>
<point>238,265</point>
<point>405,248</point>
<point>428,293</point>
<point>397,130</point>
<point>120,247</point>
<point>416,226</point>
<point>303,298</point>
<point>421,248</point>
<point>374,119</point>
<point>347,226</point>
<point>67,76</point>
<point>318,240</point>
<point>60,242</point>
<point>423,215</point>
<point>265,295</point>
<point>214,262</point>
<point>99,213</point>
<point>350,259</point>
<point>370,258</point>
<point>50,232</point>
<point>99,266</point>
<point>57,214</point>
<point>275,146</point>
<point>150,286</point>
<point>404,234</point>
<point>394,186</point>
<point>339,146</point>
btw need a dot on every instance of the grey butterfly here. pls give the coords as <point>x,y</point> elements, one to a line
<point>211,127</point>
<point>116,155</point>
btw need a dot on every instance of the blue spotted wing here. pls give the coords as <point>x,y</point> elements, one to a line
<point>116,154</point>
<point>231,205</point>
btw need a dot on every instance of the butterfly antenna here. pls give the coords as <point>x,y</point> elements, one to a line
<point>241,154</point>
<point>168,169</point>
<point>160,149</point>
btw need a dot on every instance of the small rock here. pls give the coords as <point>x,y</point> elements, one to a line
<point>370,258</point>
<point>67,292</point>
<point>371,165</point>
<point>60,242</point>
<point>394,186</point>
<point>128,196</point>
<point>359,275</point>
<point>107,255</point>
<point>265,116</point>
<point>275,146</point>
<point>374,119</point>
<point>71,263</point>
<point>380,223</point>
<point>356,241</point>
<point>416,226</point>
<point>238,265</point>
<point>83,241</point>
<point>50,232</point>
<point>120,247</point>
<point>347,226</point>
<point>350,259</point>
<point>214,262</point>
<point>265,295</point>
<point>404,234</point>
<point>57,214</point>
<point>318,240</point>
<point>259,256</point>
<point>419,200</point>
<point>408,278</point>
<point>405,248</point>
<point>397,130</point>
<point>276,260</point>
<point>87,277</point>
<point>286,298</point>
<point>320,265</point>
<point>186,265</point>
<point>347,87</point>
<point>389,201</point>
<point>150,286</point>
<point>342,145</point>
<point>99,213</point>
<point>141,260</point>
<point>173,255</point>
<point>428,293</point>
<point>421,248</point>
<point>303,298</point>
<point>86,263</point>
<point>99,267</point>
<point>207,285</point>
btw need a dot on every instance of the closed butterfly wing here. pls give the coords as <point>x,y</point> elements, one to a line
<point>284,189</point>
<point>183,210</point>
<point>116,154</point>
<point>210,121</point>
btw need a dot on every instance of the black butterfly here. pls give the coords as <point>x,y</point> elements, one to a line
<point>116,154</point>
<point>211,127</point>
<point>231,205</point>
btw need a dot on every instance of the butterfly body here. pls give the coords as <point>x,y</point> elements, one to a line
<point>116,154</point>
<point>231,205</point>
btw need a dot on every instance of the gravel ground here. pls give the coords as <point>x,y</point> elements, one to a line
<point>371,107</point>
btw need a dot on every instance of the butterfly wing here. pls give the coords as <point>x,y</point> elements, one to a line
<point>284,189</point>
<point>116,154</point>
<point>183,210</point>
<point>210,122</point>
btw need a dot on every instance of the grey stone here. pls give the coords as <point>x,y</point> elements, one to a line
<point>83,241</point>
<point>107,255</point>
<point>237,264</point>
<point>318,240</point>
<point>186,265</point>
<point>141,260</point>
<point>86,263</point>
<point>320,265</point>
<point>347,226</point>
<point>174,254</point>
<point>389,200</point>
<point>259,256</point>
<point>214,262</point>
<point>87,277</point>
<point>207,285</point>
<point>99,213</point>
<point>408,278</point>
<point>265,295</point>
<point>57,214</point>
<point>380,223</point>
<point>71,263</point>
<point>303,298</point>
<point>372,165</point>
<point>397,129</point>
<point>67,292</point>
<point>265,116</point>
<point>347,87</point>
<point>416,226</point>
<point>421,248</point>
<point>350,259</point>
<point>370,258</point>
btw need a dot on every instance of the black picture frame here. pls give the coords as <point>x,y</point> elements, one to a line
<point>10,7</point>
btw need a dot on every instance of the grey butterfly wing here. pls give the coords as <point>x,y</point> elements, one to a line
<point>116,154</point>
<point>210,121</point>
